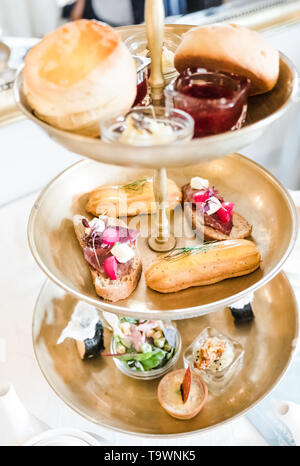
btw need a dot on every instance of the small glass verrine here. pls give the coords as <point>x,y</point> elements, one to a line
<point>216,376</point>
<point>152,373</point>
<point>148,126</point>
<point>216,101</point>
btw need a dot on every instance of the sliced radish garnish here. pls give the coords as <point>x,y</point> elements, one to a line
<point>110,236</point>
<point>201,196</point>
<point>111,267</point>
<point>229,206</point>
<point>225,213</point>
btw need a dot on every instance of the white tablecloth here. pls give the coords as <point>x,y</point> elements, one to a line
<point>20,283</point>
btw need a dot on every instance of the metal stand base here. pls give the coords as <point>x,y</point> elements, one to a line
<point>162,246</point>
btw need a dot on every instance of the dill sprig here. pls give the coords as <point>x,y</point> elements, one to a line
<point>178,253</point>
<point>136,185</point>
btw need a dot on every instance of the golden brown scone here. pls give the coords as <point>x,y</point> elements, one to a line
<point>131,199</point>
<point>230,48</point>
<point>221,260</point>
<point>78,75</point>
<point>112,290</point>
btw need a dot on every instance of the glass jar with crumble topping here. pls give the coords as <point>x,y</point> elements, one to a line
<point>216,357</point>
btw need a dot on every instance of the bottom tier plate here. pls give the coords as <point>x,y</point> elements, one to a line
<point>99,392</point>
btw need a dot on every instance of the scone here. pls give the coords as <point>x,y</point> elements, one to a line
<point>230,48</point>
<point>78,75</point>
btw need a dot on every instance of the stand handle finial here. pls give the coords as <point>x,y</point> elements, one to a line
<point>155,21</point>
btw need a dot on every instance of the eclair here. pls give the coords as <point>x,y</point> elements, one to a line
<point>201,265</point>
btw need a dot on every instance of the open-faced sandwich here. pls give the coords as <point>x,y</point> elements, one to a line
<point>210,215</point>
<point>133,198</point>
<point>109,248</point>
<point>204,264</point>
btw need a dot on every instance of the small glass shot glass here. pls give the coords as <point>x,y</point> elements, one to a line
<point>217,380</point>
<point>153,373</point>
<point>217,101</point>
<point>143,69</point>
<point>137,45</point>
<point>181,124</point>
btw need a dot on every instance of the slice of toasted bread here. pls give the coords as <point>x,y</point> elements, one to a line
<point>112,290</point>
<point>241,228</point>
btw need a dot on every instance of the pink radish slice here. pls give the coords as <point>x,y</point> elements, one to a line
<point>111,267</point>
<point>201,196</point>
<point>225,212</point>
<point>110,236</point>
<point>229,206</point>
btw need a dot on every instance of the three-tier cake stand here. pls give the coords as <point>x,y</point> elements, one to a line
<point>96,389</point>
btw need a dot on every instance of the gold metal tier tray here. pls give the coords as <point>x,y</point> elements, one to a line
<point>97,390</point>
<point>258,196</point>
<point>262,112</point>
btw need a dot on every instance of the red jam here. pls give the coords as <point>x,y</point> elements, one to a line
<point>141,92</point>
<point>216,101</point>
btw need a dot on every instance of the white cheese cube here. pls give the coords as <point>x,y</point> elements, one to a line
<point>214,205</point>
<point>122,252</point>
<point>199,183</point>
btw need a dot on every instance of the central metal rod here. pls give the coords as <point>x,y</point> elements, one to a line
<point>155,23</point>
<point>163,241</point>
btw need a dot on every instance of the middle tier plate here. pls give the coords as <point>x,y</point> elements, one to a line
<point>258,196</point>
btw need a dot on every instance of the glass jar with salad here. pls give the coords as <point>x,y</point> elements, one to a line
<point>143,349</point>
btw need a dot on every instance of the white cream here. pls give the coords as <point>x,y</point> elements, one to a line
<point>167,59</point>
<point>154,132</point>
<point>82,325</point>
<point>199,183</point>
<point>225,360</point>
<point>122,252</point>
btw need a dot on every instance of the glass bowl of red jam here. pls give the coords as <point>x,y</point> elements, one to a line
<point>216,101</point>
<point>143,70</point>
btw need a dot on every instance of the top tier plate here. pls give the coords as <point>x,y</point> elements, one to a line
<point>263,110</point>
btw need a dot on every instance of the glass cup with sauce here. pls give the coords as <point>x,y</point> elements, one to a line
<point>148,126</point>
<point>216,101</point>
